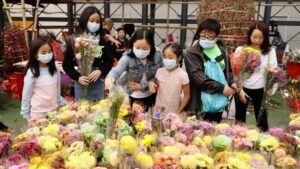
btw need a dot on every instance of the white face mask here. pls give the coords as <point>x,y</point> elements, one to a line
<point>93,26</point>
<point>141,54</point>
<point>207,43</point>
<point>45,58</point>
<point>169,63</point>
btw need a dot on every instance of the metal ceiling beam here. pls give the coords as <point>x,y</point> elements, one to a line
<point>267,13</point>
<point>184,18</point>
<point>1,16</point>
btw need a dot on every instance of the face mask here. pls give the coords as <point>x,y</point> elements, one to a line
<point>45,58</point>
<point>207,43</point>
<point>141,54</point>
<point>93,27</point>
<point>169,63</point>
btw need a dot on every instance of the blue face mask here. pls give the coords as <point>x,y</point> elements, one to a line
<point>141,54</point>
<point>207,43</point>
<point>93,27</point>
<point>45,58</point>
<point>169,63</point>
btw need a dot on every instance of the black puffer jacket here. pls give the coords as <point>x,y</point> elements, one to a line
<point>194,59</point>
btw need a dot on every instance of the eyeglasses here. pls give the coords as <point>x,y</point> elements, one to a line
<point>207,37</point>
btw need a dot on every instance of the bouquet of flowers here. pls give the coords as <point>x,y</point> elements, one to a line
<point>272,76</point>
<point>292,99</point>
<point>244,64</point>
<point>87,49</point>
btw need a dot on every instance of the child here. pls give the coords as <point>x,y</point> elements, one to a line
<point>207,50</point>
<point>89,26</point>
<point>141,63</point>
<point>41,92</point>
<point>171,81</point>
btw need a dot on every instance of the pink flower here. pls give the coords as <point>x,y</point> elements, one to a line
<point>78,56</point>
<point>167,141</point>
<point>172,121</point>
<point>14,159</point>
<point>207,127</point>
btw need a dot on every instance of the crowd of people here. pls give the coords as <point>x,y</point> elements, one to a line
<point>153,77</point>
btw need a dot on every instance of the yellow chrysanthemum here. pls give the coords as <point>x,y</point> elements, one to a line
<point>148,140</point>
<point>144,160</point>
<point>252,135</point>
<point>128,144</point>
<point>140,126</point>
<point>269,144</point>
<point>51,129</point>
<point>204,160</point>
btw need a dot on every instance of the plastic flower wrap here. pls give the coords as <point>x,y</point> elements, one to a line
<point>38,163</point>
<point>203,160</point>
<point>14,159</point>
<point>101,121</point>
<point>5,142</point>
<point>30,148</point>
<point>72,136</point>
<point>124,130</point>
<point>51,129</point>
<point>49,143</point>
<point>83,161</point>
<point>148,140</point>
<point>272,76</point>
<point>172,122</point>
<point>207,127</point>
<point>221,142</point>
<point>172,150</point>
<point>236,163</point>
<point>286,162</point>
<point>128,145</point>
<point>144,160</point>
<point>140,126</point>
<point>166,141</point>
<point>252,135</point>
<point>116,97</point>
<point>88,131</point>
<point>269,144</point>
<point>166,161</point>
<point>245,63</point>
<point>75,149</point>
<point>188,162</point>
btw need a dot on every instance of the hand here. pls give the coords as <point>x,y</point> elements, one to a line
<point>84,80</point>
<point>152,87</point>
<point>243,96</point>
<point>117,43</point>
<point>270,92</point>
<point>228,91</point>
<point>109,82</point>
<point>134,86</point>
<point>236,88</point>
<point>93,77</point>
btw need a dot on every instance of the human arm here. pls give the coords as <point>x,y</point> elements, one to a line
<point>26,94</point>
<point>186,92</point>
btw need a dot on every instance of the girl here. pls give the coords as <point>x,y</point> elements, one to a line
<point>141,63</point>
<point>171,80</point>
<point>89,26</point>
<point>207,49</point>
<point>41,92</point>
<point>253,88</point>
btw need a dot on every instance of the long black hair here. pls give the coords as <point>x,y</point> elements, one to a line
<point>140,34</point>
<point>33,63</point>
<point>261,26</point>
<point>84,18</point>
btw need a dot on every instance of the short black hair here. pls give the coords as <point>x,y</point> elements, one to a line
<point>140,34</point>
<point>176,48</point>
<point>33,63</point>
<point>84,18</point>
<point>209,24</point>
<point>265,46</point>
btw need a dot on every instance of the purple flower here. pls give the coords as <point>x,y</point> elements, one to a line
<point>75,135</point>
<point>167,141</point>
<point>207,127</point>
<point>277,132</point>
<point>157,115</point>
<point>248,144</point>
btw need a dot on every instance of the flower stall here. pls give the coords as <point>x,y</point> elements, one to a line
<point>109,134</point>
